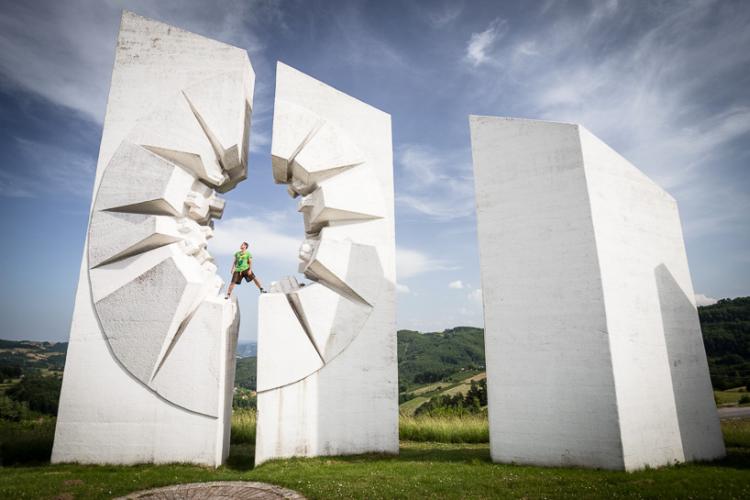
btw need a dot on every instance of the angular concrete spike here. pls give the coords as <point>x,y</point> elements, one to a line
<point>287,356</point>
<point>327,153</point>
<point>150,366</point>
<point>336,200</point>
<point>187,376</point>
<point>317,306</point>
<point>293,126</point>
<point>175,133</point>
<point>138,340</point>
<point>116,236</point>
<point>221,104</point>
<point>162,185</point>
<point>345,267</point>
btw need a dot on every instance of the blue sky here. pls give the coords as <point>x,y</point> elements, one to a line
<point>664,83</point>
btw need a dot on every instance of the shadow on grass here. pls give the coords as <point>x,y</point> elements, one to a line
<point>241,457</point>
<point>737,458</point>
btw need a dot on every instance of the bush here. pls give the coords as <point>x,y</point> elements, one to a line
<point>457,404</point>
<point>26,442</point>
<point>745,399</point>
<point>40,393</point>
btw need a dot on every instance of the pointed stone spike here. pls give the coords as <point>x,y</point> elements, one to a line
<point>285,353</point>
<point>221,105</point>
<point>174,132</point>
<point>344,197</point>
<point>115,236</point>
<point>162,185</point>
<point>327,153</point>
<point>293,126</point>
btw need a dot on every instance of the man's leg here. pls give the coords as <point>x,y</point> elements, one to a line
<point>229,290</point>
<point>257,283</point>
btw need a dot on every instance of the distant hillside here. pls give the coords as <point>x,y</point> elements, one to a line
<point>726,334</point>
<point>247,349</point>
<point>28,355</point>
<point>424,358</point>
<point>449,356</point>
<point>245,373</point>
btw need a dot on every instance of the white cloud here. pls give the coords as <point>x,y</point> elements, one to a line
<point>481,43</point>
<point>435,183</point>
<point>265,240</point>
<point>444,15</point>
<point>641,92</point>
<point>704,300</point>
<point>65,55</point>
<point>410,262</point>
<point>51,170</point>
<point>400,288</point>
<point>458,285</point>
<point>476,295</point>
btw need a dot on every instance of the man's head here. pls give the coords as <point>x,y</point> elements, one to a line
<point>243,247</point>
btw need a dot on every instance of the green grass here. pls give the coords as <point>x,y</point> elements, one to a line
<point>243,427</point>
<point>409,407</point>
<point>445,429</point>
<point>730,397</point>
<point>736,433</point>
<point>26,442</point>
<point>422,470</point>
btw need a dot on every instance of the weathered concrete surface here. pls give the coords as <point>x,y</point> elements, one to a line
<point>593,346</point>
<point>217,490</point>
<point>327,371</point>
<point>150,367</point>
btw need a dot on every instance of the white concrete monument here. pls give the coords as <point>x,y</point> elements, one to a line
<point>594,351</point>
<point>327,371</point>
<point>150,366</point>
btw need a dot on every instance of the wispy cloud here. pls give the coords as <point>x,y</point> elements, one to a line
<point>264,237</point>
<point>50,170</point>
<point>476,295</point>
<point>458,284</point>
<point>704,300</point>
<point>65,55</point>
<point>660,85</point>
<point>433,183</point>
<point>360,43</point>
<point>411,262</point>
<point>481,44</point>
<point>440,15</point>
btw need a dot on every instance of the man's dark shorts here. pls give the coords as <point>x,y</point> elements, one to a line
<point>247,274</point>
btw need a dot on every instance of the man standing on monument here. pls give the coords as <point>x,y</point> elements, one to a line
<point>242,267</point>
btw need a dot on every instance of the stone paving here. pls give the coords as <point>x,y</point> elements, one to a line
<point>217,490</point>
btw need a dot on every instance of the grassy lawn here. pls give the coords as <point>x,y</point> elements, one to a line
<point>473,428</point>
<point>422,470</point>
<point>731,397</point>
<point>411,406</point>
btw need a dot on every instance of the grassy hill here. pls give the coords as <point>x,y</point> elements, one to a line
<point>439,363</point>
<point>726,334</point>
<point>244,375</point>
<point>450,355</point>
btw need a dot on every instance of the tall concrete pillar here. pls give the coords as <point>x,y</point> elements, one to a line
<point>594,350</point>
<point>150,365</point>
<point>327,370</point>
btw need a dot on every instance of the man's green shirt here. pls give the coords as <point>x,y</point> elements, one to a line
<point>242,261</point>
